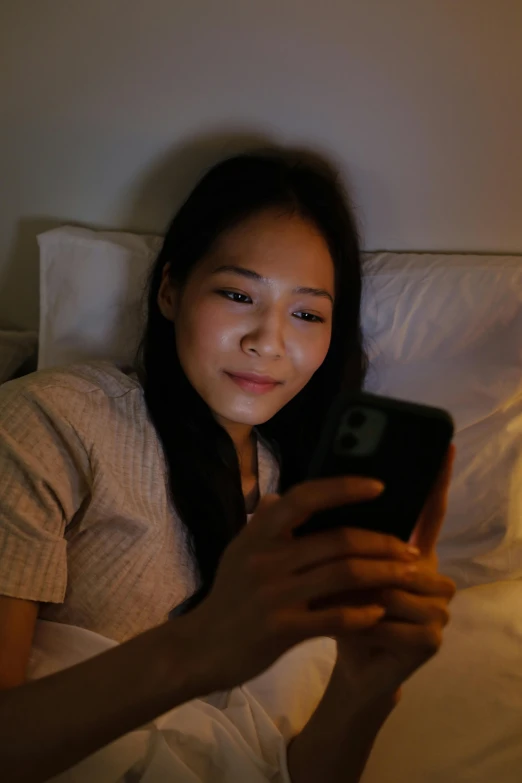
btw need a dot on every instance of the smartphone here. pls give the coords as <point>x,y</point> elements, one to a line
<point>402,444</point>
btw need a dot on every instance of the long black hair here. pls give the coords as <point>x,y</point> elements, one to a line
<point>204,474</point>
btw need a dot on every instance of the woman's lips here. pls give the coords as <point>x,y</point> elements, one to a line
<point>250,382</point>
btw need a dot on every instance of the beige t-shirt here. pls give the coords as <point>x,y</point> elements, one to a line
<point>87,526</point>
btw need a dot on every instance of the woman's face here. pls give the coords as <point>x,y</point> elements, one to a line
<point>254,319</point>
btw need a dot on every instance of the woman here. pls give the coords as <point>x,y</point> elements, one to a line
<point>122,494</point>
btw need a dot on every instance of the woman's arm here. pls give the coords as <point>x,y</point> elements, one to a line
<point>50,724</point>
<point>17,624</point>
<point>337,740</point>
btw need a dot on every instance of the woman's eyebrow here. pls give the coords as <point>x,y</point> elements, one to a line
<point>251,275</point>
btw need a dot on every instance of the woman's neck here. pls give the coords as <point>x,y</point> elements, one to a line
<point>247,454</point>
<point>243,437</point>
<point>245,441</point>
<point>249,474</point>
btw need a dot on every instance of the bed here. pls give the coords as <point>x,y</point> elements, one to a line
<point>441,329</point>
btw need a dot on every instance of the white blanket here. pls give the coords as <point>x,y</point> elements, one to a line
<point>460,719</point>
<point>240,735</point>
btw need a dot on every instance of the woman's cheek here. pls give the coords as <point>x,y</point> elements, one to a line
<point>212,327</point>
<point>311,351</point>
<point>223,332</point>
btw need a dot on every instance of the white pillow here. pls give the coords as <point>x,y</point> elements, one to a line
<point>91,292</point>
<point>441,329</point>
<point>447,330</point>
<point>16,348</point>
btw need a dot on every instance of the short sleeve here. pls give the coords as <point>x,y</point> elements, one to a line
<point>43,482</point>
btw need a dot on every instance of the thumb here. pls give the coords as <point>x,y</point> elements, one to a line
<point>432,516</point>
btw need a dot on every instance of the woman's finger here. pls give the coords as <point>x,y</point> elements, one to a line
<point>307,552</point>
<point>406,607</point>
<point>358,575</point>
<point>430,522</point>
<point>297,626</point>
<point>278,516</point>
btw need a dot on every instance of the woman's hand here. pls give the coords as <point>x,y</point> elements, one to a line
<point>268,581</point>
<point>410,633</point>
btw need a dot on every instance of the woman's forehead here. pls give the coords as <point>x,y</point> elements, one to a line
<point>276,247</point>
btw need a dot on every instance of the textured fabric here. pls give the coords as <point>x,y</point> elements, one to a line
<point>87,526</point>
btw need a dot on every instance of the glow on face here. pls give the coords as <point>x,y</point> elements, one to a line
<point>254,320</point>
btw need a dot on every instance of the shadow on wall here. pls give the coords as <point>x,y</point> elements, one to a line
<point>20,279</point>
<point>153,200</point>
<point>147,205</point>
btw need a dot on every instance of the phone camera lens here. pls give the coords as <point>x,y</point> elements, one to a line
<point>356,419</point>
<point>348,442</point>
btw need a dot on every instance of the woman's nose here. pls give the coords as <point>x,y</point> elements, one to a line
<point>265,339</point>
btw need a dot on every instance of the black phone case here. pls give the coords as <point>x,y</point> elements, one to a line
<point>407,459</point>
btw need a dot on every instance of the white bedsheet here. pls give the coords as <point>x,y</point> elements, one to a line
<point>460,719</point>
<point>240,735</point>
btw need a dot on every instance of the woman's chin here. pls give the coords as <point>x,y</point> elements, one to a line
<point>246,419</point>
<point>247,414</point>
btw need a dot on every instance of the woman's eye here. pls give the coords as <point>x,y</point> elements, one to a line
<point>235,296</point>
<point>310,317</point>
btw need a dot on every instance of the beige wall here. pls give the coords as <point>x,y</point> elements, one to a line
<point>110,107</point>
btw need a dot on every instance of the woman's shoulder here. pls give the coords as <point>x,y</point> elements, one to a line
<point>99,378</point>
<point>84,395</point>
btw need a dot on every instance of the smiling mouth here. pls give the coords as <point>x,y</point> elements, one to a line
<point>256,384</point>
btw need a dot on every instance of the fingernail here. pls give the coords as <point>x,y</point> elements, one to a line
<point>412,552</point>
<point>411,570</point>
<point>375,487</point>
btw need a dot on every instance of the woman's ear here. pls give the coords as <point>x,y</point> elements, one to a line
<point>167,295</point>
